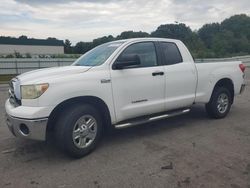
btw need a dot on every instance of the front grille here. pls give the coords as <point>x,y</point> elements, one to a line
<point>12,97</point>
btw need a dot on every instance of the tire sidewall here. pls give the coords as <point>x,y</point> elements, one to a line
<point>214,104</point>
<point>68,122</point>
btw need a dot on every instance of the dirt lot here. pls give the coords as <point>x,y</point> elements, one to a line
<point>185,151</point>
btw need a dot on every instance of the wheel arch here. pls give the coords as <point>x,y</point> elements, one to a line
<point>227,83</point>
<point>91,100</point>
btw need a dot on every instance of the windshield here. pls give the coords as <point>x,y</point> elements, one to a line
<point>98,55</point>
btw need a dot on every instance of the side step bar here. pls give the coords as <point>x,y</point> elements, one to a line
<point>148,119</point>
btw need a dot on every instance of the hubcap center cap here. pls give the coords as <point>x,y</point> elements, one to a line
<point>83,130</point>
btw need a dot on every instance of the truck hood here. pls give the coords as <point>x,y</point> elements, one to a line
<point>41,75</point>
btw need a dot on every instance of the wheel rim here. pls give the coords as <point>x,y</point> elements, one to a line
<point>84,131</point>
<point>222,103</point>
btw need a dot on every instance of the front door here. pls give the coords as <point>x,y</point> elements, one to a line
<point>139,90</point>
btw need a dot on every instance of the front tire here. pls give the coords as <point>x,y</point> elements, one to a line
<point>220,103</point>
<point>79,130</point>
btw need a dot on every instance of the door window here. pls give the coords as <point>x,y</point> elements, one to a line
<point>171,53</point>
<point>146,52</point>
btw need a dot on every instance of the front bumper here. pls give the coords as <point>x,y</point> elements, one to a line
<point>34,129</point>
<point>27,122</point>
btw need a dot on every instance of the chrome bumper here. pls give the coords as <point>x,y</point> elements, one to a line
<point>34,129</point>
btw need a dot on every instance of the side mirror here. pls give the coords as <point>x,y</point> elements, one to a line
<point>126,61</point>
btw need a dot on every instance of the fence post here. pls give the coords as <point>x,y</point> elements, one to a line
<point>58,63</point>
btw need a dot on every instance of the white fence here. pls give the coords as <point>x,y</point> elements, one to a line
<point>21,65</point>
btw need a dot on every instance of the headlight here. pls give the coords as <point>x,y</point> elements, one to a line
<point>33,91</point>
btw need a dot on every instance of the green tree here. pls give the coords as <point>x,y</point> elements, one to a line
<point>67,47</point>
<point>196,46</point>
<point>23,37</point>
<point>102,40</point>
<point>175,31</point>
<point>238,24</point>
<point>231,37</point>
<point>82,47</point>
<point>207,32</point>
<point>222,44</point>
<point>132,34</point>
<point>51,38</point>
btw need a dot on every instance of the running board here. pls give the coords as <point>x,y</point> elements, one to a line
<point>148,119</point>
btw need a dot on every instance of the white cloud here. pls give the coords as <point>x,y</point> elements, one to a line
<point>85,20</point>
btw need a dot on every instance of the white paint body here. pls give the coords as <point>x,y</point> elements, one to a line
<point>182,85</point>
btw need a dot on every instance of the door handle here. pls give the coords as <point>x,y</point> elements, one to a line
<point>158,73</point>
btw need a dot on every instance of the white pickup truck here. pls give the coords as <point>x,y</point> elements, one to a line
<point>118,84</point>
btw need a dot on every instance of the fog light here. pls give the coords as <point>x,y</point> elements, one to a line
<point>24,129</point>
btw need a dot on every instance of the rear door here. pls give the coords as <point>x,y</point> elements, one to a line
<point>180,77</point>
<point>140,90</point>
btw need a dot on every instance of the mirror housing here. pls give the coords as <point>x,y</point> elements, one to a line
<point>126,61</point>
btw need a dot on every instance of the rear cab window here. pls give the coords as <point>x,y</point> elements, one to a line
<point>171,53</point>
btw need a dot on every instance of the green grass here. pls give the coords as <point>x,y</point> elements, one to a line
<point>4,79</point>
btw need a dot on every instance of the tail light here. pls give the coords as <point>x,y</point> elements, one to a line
<point>242,67</point>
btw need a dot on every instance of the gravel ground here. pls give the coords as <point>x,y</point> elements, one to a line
<point>186,151</point>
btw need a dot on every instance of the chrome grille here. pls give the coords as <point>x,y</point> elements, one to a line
<point>12,97</point>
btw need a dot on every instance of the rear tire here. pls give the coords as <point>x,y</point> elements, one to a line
<point>220,103</point>
<point>78,130</point>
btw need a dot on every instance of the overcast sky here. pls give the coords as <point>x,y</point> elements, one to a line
<point>84,20</point>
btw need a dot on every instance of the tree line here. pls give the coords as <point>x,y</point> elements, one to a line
<point>229,38</point>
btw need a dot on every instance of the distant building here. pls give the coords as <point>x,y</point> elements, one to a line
<point>9,45</point>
